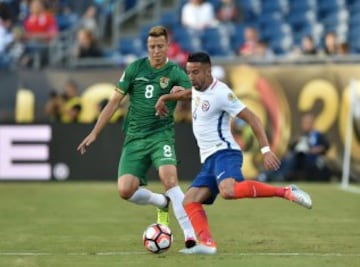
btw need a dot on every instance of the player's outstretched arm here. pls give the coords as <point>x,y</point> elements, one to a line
<point>103,119</point>
<point>271,161</point>
<point>177,93</point>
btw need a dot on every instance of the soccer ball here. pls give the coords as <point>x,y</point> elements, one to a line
<point>157,238</point>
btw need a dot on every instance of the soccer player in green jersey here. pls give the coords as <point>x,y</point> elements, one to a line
<point>149,139</point>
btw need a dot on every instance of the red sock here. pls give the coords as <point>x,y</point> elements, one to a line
<point>199,221</point>
<point>252,189</point>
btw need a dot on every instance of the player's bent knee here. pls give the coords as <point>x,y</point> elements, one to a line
<point>226,188</point>
<point>125,193</point>
<point>127,185</point>
<point>227,193</point>
<point>169,183</point>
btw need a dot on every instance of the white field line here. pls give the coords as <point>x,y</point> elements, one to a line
<point>244,254</point>
<point>351,189</point>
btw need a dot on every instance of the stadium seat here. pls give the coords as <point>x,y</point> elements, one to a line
<point>337,17</point>
<point>299,20</point>
<point>267,18</point>
<point>326,7</point>
<point>354,7</point>
<point>129,4</point>
<point>354,19</point>
<point>251,9</point>
<point>353,31</point>
<point>131,46</point>
<point>66,21</point>
<point>276,30</point>
<point>281,6</point>
<point>281,46</point>
<point>302,6</point>
<point>170,19</point>
<point>188,41</point>
<point>237,39</point>
<point>315,30</point>
<point>180,32</point>
<point>215,3</point>
<point>349,3</point>
<point>215,43</point>
<point>355,45</point>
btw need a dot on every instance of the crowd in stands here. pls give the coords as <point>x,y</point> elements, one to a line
<point>280,27</point>
<point>258,29</point>
<point>27,28</point>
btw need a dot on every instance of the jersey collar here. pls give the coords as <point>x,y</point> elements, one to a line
<point>212,85</point>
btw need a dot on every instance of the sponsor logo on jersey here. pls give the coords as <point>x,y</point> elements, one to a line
<point>231,97</point>
<point>205,105</point>
<point>142,79</point>
<point>164,82</point>
<point>220,174</point>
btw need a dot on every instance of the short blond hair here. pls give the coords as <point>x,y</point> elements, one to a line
<point>158,31</point>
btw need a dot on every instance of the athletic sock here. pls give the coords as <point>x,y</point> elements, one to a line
<point>253,189</point>
<point>198,218</point>
<point>144,196</point>
<point>177,197</point>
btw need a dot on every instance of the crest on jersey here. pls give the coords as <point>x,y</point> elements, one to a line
<point>164,82</point>
<point>205,105</point>
<point>231,97</point>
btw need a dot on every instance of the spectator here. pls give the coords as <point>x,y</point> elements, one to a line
<point>119,113</point>
<point>308,46</point>
<point>52,108</point>
<point>88,20</point>
<point>251,42</point>
<point>64,107</point>
<point>263,51</point>
<point>40,28</point>
<point>343,48</point>
<point>74,113</point>
<point>229,12</point>
<point>86,45</point>
<point>198,15</point>
<point>9,9</point>
<point>175,52</point>
<point>16,51</point>
<point>70,102</point>
<point>6,36</point>
<point>66,17</point>
<point>105,20</point>
<point>41,25</point>
<point>306,156</point>
<point>330,44</point>
<point>24,10</point>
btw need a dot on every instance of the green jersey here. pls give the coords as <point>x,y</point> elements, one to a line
<point>145,85</point>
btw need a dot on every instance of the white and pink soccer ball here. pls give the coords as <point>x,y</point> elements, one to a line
<point>157,238</point>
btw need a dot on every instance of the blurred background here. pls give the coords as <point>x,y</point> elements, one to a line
<point>60,61</point>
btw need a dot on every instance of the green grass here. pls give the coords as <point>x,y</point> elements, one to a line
<point>86,224</point>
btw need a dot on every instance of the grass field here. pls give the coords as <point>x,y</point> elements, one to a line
<point>86,224</point>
